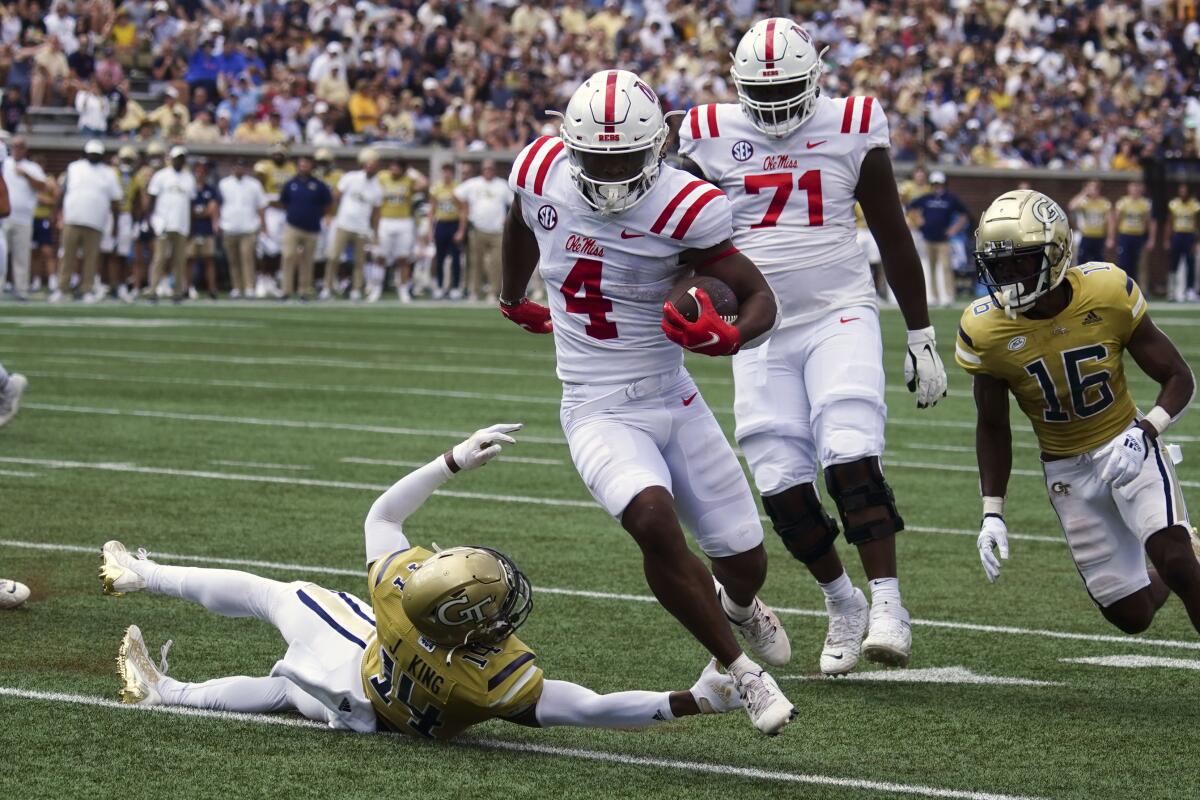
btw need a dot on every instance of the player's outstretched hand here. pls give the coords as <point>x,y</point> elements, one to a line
<point>483,445</point>
<point>993,533</point>
<point>715,692</point>
<point>531,316</point>
<point>709,334</point>
<point>923,370</point>
<point>1125,456</point>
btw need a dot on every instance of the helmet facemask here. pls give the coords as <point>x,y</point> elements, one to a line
<point>1016,277</point>
<point>515,609</point>
<point>779,108</point>
<point>614,181</point>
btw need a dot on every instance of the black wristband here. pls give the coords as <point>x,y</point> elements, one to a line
<point>451,464</point>
<point>994,514</point>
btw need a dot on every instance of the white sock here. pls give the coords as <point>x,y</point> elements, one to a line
<point>837,591</point>
<point>733,610</point>
<point>741,665</point>
<point>237,693</point>
<point>885,592</point>
<point>227,592</point>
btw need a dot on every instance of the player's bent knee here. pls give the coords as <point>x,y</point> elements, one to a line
<point>650,519</point>
<point>864,500</point>
<point>806,529</point>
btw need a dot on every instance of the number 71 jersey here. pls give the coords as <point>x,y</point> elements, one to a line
<point>793,197</point>
<point>607,276</point>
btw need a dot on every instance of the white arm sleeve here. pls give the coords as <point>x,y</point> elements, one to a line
<point>384,524</point>
<point>564,703</point>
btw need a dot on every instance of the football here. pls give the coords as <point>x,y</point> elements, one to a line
<point>12,594</point>
<point>723,299</point>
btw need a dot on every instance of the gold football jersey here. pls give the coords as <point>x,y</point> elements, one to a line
<point>1092,217</point>
<point>445,207</point>
<point>273,176</point>
<point>397,195</point>
<point>408,680</point>
<point>1184,214</point>
<point>1133,215</point>
<point>1067,372</point>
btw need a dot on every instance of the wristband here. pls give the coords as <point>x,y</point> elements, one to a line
<point>993,505</point>
<point>511,303</point>
<point>451,464</point>
<point>1158,418</point>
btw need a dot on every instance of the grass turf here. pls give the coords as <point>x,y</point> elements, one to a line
<point>159,426</point>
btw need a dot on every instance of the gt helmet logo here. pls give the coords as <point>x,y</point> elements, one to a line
<point>1047,212</point>
<point>472,614</point>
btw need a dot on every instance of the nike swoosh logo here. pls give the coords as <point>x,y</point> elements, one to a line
<point>712,339</point>
<point>811,145</point>
<point>838,657</point>
<point>688,401</point>
<point>844,320</point>
<point>627,235</point>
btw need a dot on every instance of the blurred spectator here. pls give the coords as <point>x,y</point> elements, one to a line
<point>941,216</point>
<point>171,191</point>
<point>242,205</point>
<point>202,238</point>
<point>12,109</point>
<point>443,213</point>
<point>171,117</point>
<point>93,109</point>
<point>1131,227</point>
<point>1091,212</point>
<point>358,197</point>
<point>483,205</point>
<point>90,198</point>
<point>305,200</point>
<point>50,73</point>
<point>1182,224</point>
<point>24,179</point>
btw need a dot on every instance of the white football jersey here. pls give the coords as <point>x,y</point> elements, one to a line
<point>607,276</point>
<point>793,198</point>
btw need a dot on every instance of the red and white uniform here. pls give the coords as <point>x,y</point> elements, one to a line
<point>632,414</point>
<point>814,394</point>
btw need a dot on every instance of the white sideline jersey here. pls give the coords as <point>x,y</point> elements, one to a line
<point>793,198</point>
<point>607,276</point>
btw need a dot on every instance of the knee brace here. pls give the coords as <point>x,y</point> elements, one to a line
<point>857,493</point>
<point>807,530</point>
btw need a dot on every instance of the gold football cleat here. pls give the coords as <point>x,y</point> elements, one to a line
<point>139,676</point>
<point>116,577</point>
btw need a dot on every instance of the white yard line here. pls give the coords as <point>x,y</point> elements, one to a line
<point>623,597</point>
<point>388,462</point>
<point>259,465</point>
<point>576,754</point>
<point>14,473</point>
<point>1135,662</point>
<point>955,675</point>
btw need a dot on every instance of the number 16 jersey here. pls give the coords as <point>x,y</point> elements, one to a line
<point>607,276</point>
<point>793,197</point>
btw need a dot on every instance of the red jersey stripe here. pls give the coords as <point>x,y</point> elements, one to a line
<point>523,172</point>
<point>866,115</point>
<point>712,120</point>
<point>770,43</point>
<point>848,116</point>
<point>551,154</point>
<point>694,116</point>
<point>610,99</point>
<point>694,211</point>
<point>665,216</point>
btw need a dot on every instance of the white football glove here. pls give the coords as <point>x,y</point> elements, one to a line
<point>923,370</point>
<point>1126,455</point>
<point>992,533</point>
<point>483,445</point>
<point>715,692</point>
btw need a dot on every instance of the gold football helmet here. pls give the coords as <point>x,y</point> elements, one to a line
<point>1022,249</point>
<point>127,153</point>
<point>323,155</point>
<point>467,595</point>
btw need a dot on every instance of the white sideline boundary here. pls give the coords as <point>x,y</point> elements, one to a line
<point>577,754</point>
<point>622,597</point>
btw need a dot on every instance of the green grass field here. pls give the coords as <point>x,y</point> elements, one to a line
<point>260,433</point>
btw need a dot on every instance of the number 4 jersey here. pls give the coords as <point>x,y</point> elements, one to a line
<point>607,276</point>
<point>793,197</point>
<point>412,685</point>
<point>1066,372</point>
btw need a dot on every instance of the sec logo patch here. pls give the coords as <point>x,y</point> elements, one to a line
<point>547,217</point>
<point>1016,343</point>
<point>743,150</point>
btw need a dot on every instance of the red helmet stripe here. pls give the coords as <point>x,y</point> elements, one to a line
<point>694,211</point>
<point>530,157</point>
<point>770,43</point>
<point>694,116</point>
<point>866,115</point>
<point>552,154</point>
<point>665,216</point>
<point>848,116</point>
<point>712,120</point>
<point>610,102</point>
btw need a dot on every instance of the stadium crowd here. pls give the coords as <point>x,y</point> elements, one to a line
<point>1085,83</point>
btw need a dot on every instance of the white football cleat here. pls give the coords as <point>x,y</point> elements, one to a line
<point>374,293</point>
<point>139,675</point>
<point>10,396</point>
<point>843,641</point>
<point>116,573</point>
<point>12,594</point>
<point>889,640</point>
<point>355,295</point>
<point>762,632</point>
<point>765,702</point>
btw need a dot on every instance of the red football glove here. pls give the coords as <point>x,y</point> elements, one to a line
<point>529,315</point>
<point>709,334</point>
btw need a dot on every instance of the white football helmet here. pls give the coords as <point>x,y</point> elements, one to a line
<point>614,131</point>
<point>776,69</point>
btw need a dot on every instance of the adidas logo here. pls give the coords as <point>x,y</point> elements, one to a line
<point>1092,318</point>
<point>344,706</point>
